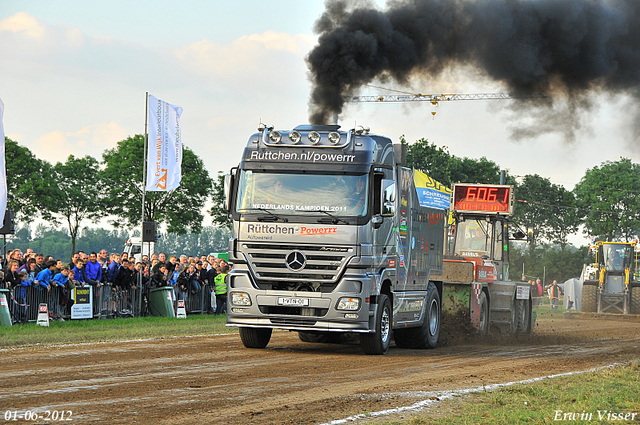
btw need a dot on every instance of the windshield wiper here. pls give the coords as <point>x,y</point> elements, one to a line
<point>274,217</point>
<point>335,220</point>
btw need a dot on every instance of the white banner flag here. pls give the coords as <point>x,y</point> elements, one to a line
<point>3,168</point>
<point>164,153</point>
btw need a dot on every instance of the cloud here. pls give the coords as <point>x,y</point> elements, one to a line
<point>70,92</point>
<point>250,60</point>
<point>272,40</point>
<point>56,146</point>
<point>52,147</point>
<point>24,23</point>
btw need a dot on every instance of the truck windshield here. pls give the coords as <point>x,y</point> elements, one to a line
<point>616,256</point>
<point>300,194</point>
<point>472,238</point>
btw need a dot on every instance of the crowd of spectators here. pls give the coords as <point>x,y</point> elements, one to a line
<point>186,274</point>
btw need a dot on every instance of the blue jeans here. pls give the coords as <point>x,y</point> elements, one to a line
<point>194,286</point>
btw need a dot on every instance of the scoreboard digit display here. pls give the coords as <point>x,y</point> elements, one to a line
<point>482,198</point>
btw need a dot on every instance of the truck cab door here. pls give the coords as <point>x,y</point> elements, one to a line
<point>383,220</point>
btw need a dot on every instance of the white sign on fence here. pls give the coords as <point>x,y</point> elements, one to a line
<point>83,303</point>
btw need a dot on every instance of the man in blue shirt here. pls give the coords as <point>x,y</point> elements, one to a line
<point>43,279</point>
<point>93,270</point>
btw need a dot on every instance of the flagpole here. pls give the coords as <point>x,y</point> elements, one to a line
<point>144,190</point>
<point>144,163</point>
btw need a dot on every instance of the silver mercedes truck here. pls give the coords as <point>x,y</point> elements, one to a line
<point>329,238</point>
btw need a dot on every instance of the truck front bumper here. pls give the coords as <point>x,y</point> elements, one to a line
<point>299,310</point>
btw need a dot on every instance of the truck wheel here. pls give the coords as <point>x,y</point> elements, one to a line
<point>255,337</point>
<point>483,323</point>
<point>634,307</point>
<point>425,336</point>
<point>378,342</point>
<point>523,316</point>
<point>311,336</point>
<point>589,298</point>
<point>513,324</point>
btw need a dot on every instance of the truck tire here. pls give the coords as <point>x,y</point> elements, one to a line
<point>513,323</point>
<point>425,336</point>
<point>255,337</point>
<point>379,341</point>
<point>634,305</point>
<point>523,314</point>
<point>313,336</point>
<point>589,298</point>
<point>483,322</point>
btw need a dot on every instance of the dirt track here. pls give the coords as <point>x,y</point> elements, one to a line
<point>216,380</point>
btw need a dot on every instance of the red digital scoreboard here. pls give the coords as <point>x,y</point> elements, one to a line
<point>482,198</point>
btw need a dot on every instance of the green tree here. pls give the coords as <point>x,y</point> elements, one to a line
<point>548,260</point>
<point>446,168</point>
<point>97,239</point>
<point>436,161</point>
<point>217,211</point>
<point>29,182</point>
<point>549,209</point>
<point>76,197</point>
<point>470,170</point>
<point>181,208</point>
<point>46,240</point>
<point>609,196</point>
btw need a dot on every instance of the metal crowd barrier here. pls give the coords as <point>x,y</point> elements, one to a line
<point>25,300</point>
<point>197,303</point>
<point>127,303</point>
<point>112,302</point>
<point>101,296</point>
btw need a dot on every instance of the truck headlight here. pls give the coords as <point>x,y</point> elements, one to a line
<point>314,137</point>
<point>351,304</point>
<point>275,136</point>
<point>295,137</point>
<point>241,299</point>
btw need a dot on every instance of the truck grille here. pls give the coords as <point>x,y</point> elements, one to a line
<point>293,322</point>
<point>323,264</point>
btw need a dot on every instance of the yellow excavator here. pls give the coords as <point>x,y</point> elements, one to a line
<point>613,285</point>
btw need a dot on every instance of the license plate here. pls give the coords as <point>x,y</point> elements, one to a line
<point>296,302</point>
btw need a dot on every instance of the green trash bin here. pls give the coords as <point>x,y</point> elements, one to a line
<point>5,316</point>
<point>161,302</point>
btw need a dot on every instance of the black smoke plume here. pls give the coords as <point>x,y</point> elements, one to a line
<point>551,47</point>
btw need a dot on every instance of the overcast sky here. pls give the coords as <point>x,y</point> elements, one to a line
<point>73,77</point>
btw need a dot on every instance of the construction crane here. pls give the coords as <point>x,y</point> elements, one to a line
<point>435,99</point>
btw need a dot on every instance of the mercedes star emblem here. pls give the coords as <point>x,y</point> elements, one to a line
<point>295,261</point>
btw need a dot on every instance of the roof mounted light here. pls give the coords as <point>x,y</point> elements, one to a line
<point>314,137</point>
<point>295,137</point>
<point>275,136</point>
<point>334,137</point>
<point>261,127</point>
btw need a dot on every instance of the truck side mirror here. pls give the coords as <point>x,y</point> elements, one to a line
<point>228,183</point>
<point>388,198</point>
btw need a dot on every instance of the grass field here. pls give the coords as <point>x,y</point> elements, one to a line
<point>82,331</point>
<point>588,398</point>
<point>610,395</point>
